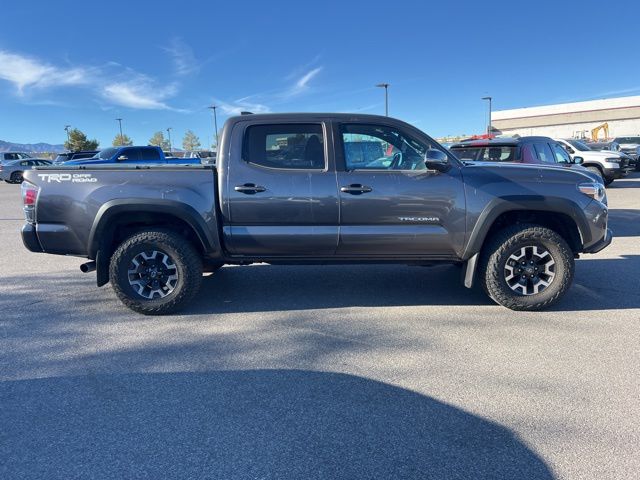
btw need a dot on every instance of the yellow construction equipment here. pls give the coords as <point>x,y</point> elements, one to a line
<point>596,131</point>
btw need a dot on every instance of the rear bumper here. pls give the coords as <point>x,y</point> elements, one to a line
<point>52,238</point>
<point>601,244</point>
<point>30,239</point>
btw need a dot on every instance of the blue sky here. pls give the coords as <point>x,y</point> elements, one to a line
<point>159,65</point>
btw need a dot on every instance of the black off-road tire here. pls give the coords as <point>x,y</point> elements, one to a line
<point>509,240</point>
<point>182,253</point>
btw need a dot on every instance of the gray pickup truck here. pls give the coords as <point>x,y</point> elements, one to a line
<point>319,189</point>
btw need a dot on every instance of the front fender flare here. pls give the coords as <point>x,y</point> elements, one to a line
<point>498,206</point>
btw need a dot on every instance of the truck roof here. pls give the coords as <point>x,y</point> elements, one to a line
<point>306,115</point>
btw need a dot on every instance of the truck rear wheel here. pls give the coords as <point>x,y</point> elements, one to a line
<point>155,272</point>
<point>526,267</point>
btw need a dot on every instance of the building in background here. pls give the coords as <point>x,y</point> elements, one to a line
<point>615,117</point>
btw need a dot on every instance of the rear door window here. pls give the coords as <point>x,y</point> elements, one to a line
<point>132,154</point>
<point>149,154</point>
<point>287,146</point>
<point>544,153</point>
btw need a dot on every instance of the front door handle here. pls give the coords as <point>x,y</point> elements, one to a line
<point>249,188</point>
<point>356,189</point>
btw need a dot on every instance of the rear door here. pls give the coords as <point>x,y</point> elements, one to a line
<point>129,155</point>
<point>390,203</point>
<point>150,155</point>
<point>281,194</point>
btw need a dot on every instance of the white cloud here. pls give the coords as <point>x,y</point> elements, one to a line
<point>183,57</point>
<point>302,84</point>
<point>242,105</point>
<point>306,78</point>
<point>25,72</point>
<point>141,93</point>
<point>112,82</point>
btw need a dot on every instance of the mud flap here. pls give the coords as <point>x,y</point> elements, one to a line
<point>102,269</point>
<point>470,270</point>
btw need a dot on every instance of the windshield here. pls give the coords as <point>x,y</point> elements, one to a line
<point>105,154</point>
<point>506,153</point>
<point>579,145</point>
<point>627,139</point>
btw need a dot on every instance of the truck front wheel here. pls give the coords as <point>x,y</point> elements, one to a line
<point>526,267</point>
<point>155,272</point>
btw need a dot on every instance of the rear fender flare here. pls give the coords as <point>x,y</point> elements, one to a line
<point>184,212</point>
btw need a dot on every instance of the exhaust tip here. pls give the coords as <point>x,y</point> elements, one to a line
<point>88,267</point>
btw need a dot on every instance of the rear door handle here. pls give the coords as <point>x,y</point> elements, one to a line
<point>249,188</point>
<point>356,189</point>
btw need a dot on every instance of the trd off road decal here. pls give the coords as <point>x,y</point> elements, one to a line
<point>67,177</point>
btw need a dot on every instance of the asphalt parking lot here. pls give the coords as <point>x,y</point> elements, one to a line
<point>320,372</point>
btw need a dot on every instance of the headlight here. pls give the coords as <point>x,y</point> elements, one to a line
<point>594,190</point>
<point>612,159</point>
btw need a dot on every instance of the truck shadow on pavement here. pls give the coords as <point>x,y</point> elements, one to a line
<point>625,222</point>
<point>626,184</point>
<point>247,424</point>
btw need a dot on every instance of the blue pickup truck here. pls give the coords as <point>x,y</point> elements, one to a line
<point>132,155</point>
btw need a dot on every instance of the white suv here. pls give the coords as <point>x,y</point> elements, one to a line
<point>609,165</point>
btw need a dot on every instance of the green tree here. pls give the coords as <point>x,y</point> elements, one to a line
<point>122,141</point>
<point>78,141</point>
<point>158,140</point>
<point>190,141</point>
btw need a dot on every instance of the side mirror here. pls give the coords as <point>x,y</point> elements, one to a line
<point>577,160</point>
<point>436,160</point>
<point>123,158</point>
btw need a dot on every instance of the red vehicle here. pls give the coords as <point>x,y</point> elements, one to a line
<point>536,150</point>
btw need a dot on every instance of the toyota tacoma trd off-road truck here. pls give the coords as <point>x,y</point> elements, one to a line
<point>319,189</point>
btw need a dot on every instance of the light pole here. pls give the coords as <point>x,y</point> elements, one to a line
<point>119,120</point>
<point>66,129</point>
<point>489,124</point>
<point>386,97</point>
<point>215,123</point>
<point>169,133</point>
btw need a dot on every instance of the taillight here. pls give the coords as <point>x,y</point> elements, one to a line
<point>29,198</point>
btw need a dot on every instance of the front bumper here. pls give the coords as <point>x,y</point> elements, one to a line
<point>614,173</point>
<point>601,244</point>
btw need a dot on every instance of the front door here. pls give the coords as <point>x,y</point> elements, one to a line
<point>282,194</point>
<point>391,204</point>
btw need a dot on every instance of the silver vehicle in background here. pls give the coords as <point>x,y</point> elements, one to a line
<point>10,156</point>
<point>629,146</point>
<point>11,171</point>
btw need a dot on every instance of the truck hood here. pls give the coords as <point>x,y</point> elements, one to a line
<point>537,172</point>
<point>597,155</point>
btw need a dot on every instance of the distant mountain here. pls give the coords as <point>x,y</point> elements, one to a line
<point>30,147</point>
